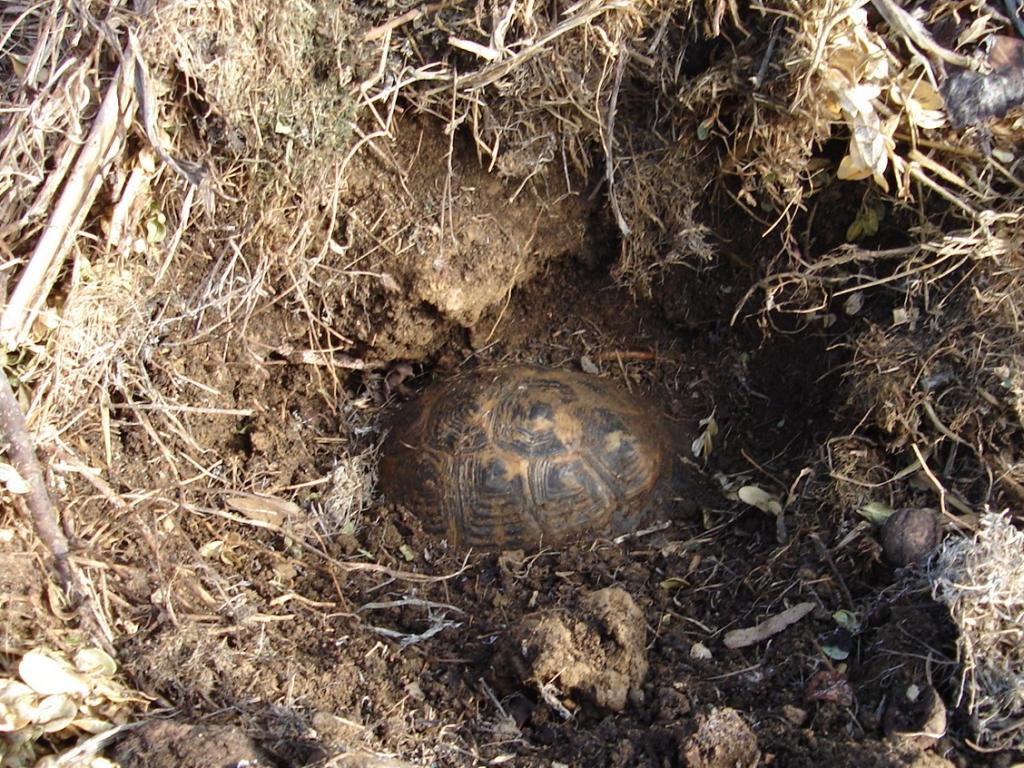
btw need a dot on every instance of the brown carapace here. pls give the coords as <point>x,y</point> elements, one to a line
<point>518,456</point>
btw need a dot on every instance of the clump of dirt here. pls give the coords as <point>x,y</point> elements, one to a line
<point>722,739</point>
<point>170,744</point>
<point>594,651</point>
<point>22,593</point>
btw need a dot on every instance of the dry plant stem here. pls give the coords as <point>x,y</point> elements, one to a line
<point>907,25</point>
<point>80,190</point>
<point>23,456</point>
<point>411,15</point>
<point>944,495</point>
<point>827,557</point>
<point>609,149</point>
<point>497,70</point>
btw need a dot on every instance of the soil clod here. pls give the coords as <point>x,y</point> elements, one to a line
<point>169,744</point>
<point>595,654</point>
<point>722,740</point>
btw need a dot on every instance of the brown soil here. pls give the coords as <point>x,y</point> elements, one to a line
<point>321,635</point>
<point>163,744</point>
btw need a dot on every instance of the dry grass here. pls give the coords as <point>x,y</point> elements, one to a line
<point>981,580</point>
<point>548,92</point>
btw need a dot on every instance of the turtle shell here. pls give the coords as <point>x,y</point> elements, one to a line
<point>516,456</point>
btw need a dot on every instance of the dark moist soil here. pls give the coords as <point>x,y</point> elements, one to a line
<point>374,636</point>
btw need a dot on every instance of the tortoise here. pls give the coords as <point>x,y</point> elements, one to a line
<point>515,456</point>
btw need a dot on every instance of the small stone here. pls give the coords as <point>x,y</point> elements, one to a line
<point>795,715</point>
<point>909,536</point>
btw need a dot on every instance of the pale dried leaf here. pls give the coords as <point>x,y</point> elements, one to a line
<point>92,725</point>
<point>49,676</point>
<point>12,690</point>
<point>704,444</point>
<point>740,638</point>
<point>13,480</point>
<point>389,283</point>
<point>14,715</point>
<point>756,496</point>
<point>700,652</point>
<point>95,661</point>
<point>854,303</point>
<point>269,510</point>
<point>54,713</point>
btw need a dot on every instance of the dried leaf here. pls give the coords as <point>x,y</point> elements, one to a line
<point>704,444</point>
<point>829,686</point>
<point>49,676</point>
<point>756,496</point>
<point>15,715</point>
<point>740,638</point>
<point>924,105</point>
<point>268,510</point>
<point>854,303</point>
<point>12,690</point>
<point>54,713</point>
<point>92,725</point>
<point>13,480</point>
<point>700,652</point>
<point>94,661</point>
<point>389,283</point>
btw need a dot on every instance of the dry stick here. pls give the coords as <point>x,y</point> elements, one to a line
<point>75,201</point>
<point>377,32</point>
<point>23,456</point>
<point>609,149</point>
<point>827,557</point>
<point>497,70</point>
<point>914,30</point>
<point>944,495</point>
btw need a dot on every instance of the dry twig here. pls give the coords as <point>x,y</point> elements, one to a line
<point>40,507</point>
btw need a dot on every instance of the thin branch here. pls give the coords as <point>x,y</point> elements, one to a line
<point>23,457</point>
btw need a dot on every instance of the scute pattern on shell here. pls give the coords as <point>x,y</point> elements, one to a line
<point>514,456</point>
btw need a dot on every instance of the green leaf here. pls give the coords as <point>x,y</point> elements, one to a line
<point>704,128</point>
<point>156,228</point>
<point>835,653</point>
<point>847,620</point>
<point>870,217</point>
<point>876,511</point>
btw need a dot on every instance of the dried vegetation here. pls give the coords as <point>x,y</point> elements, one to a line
<point>138,145</point>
